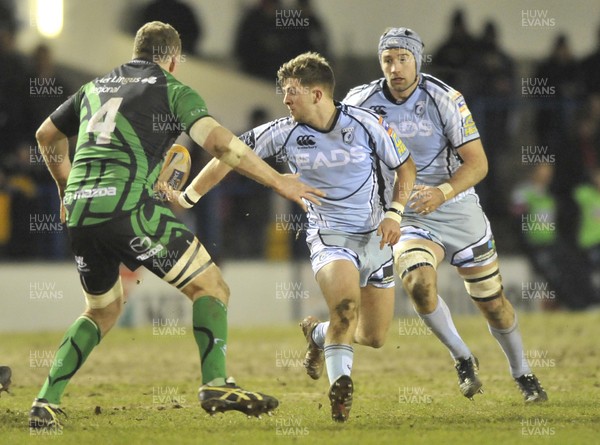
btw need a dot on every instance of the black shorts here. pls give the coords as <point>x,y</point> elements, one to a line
<point>149,236</point>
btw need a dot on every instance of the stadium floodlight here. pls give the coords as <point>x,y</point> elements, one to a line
<point>49,17</point>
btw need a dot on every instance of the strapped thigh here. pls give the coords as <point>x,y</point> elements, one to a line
<point>100,301</point>
<point>485,285</point>
<point>193,262</point>
<point>412,257</point>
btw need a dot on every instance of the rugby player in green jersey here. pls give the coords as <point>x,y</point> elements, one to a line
<point>108,206</point>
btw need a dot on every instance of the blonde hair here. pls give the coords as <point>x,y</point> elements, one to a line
<point>156,41</point>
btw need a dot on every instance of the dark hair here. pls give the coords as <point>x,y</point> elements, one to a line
<point>310,69</point>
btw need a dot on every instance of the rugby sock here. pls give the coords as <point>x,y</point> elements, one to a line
<point>441,324</point>
<point>209,317</point>
<point>511,343</point>
<point>76,345</point>
<point>338,359</point>
<point>319,332</point>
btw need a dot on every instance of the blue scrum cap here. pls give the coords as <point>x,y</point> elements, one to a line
<point>403,38</point>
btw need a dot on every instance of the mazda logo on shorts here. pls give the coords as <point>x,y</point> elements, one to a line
<point>139,245</point>
<point>305,140</point>
<point>379,109</point>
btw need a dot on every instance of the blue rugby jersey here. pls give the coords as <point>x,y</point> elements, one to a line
<point>353,162</point>
<point>433,123</point>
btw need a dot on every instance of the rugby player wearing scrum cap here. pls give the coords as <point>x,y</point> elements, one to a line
<point>444,218</point>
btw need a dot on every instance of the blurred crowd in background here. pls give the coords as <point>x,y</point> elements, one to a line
<point>539,121</point>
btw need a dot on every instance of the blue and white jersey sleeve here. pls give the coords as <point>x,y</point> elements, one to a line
<point>459,126</point>
<point>361,93</point>
<point>269,139</point>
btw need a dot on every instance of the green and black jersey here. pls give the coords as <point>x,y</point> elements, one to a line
<point>124,122</point>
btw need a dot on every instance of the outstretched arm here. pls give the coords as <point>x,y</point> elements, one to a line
<point>234,154</point>
<point>211,175</point>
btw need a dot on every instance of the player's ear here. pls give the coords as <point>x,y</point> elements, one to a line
<point>317,95</point>
<point>173,64</point>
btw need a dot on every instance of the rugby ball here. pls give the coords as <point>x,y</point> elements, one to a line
<point>176,167</point>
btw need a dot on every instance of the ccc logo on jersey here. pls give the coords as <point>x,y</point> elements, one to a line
<point>379,109</point>
<point>306,141</point>
<point>249,139</point>
<point>400,147</point>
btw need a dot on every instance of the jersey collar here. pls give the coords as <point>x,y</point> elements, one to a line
<point>334,122</point>
<point>388,95</point>
<point>142,61</point>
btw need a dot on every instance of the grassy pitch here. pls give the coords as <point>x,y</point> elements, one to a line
<point>139,386</point>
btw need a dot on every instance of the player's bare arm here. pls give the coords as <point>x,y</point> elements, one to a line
<point>389,229</point>
<point>210,175</point>
<point>225,146</point>
<point>474,168</point>
<point>54,147</point>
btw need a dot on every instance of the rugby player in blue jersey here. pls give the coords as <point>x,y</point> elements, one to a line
<point>367,173</point>
<point>444,218</point>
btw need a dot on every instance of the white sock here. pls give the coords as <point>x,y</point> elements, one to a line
<point>338,359</point>
<point>441,324</point>
<point>319,332</point>
<point>511,343</point>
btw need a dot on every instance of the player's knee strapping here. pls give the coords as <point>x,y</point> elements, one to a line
<point>194,261</point>
<point>412,258</point>
<point>100,301</point>
<point>484,286</point>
